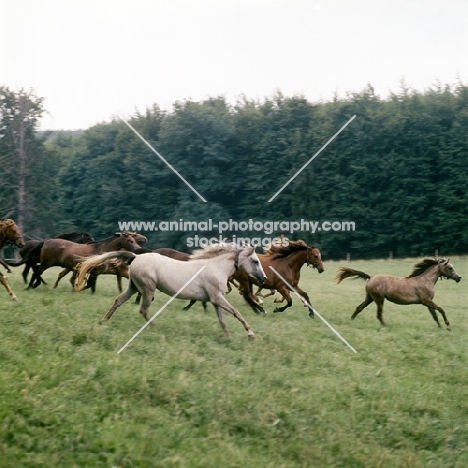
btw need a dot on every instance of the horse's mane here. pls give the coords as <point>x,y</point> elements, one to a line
<point>285,250</point>
<point>423,265</point>
<point>75,235</point>
<point>215,250</point>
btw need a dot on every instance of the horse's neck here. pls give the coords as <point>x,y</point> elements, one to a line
<point>226,265</point>
<point>297,259</point>
<point>113,243</point>
<point>432,274</point>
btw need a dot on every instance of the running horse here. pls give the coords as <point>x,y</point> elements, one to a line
<point>417,288</point>
<point>203,278</point>
<point>9,232</point>
<point>287,260</point>
<point>67,254</point>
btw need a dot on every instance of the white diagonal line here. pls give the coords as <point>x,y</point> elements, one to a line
<point>161,157</point>
<point>315,311</point>
<point>311,159</point>
<point>161,309</point>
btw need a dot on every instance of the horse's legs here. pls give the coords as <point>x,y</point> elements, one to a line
<point>73,278</point>
<point>63,273</point>
<point>434,316</point>
<point>121,298</point>
<point>379,301</point>
<point>147,298</point>
<point>25,273</point>
<point>245,288</point>
<point>306,300</point>
<point>221,301</point>
<point>4,281</point>
<point>190,304</point>
<point>222,321</point>
<point>7,267</point>
<point>368,300</point>
<point>285,293</point>
<point>429,303</point>
<point>119,282</point>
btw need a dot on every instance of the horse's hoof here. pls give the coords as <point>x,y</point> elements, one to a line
<point>449,328</point>
<point>311,315</point>
<point>251,335</point>
<point>277,310</point>
<point>14,298</point>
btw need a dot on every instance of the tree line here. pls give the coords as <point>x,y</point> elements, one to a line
<point>398,171</point>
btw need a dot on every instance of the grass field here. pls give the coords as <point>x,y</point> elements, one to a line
<point>183,395</point>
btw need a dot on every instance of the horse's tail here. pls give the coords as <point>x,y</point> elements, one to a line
<point>344,273</point>
<point>85,267</point>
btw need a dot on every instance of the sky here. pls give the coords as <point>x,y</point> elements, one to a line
<point>94,60</point>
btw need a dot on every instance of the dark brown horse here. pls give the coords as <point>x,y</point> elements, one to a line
<point>67,254</point>
<point>9,232</point>
<point>417,288</point>
<point>140,240</point>
<point>287,261</point>
<point>31,255</point>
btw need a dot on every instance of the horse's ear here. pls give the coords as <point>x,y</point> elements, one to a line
<point>119,234</point>
<point>251,250</point>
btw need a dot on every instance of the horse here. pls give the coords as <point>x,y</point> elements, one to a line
<point>9,232</point>
<point>31,256</point>
<point>287,260</point>
<point>204,276</point>
<point>417,288</point>
<point>67,254</point>
<point>121,271</point>
<point>140,240</point>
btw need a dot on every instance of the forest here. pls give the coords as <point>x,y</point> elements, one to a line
<point>398,171</point>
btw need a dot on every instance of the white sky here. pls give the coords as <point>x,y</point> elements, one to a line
<point>92,60</point>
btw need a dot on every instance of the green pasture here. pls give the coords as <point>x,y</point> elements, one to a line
<point>183,395</point>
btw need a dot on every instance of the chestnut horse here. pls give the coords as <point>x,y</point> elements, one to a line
<point>287,261</point>
<point>417,288</point>
<point>67,254</point>
<point>9,232</point>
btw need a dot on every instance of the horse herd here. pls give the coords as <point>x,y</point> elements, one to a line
<point>205,274</point>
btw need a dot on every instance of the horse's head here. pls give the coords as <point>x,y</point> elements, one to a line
<point>247,259</point>
<point>314,258</point>
<point>128,241</point>
<point>139,238</point>
<point>11,232</point>
<point>447,271</point>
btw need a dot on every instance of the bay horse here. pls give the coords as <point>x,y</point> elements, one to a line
<point>67,254</point>
<point>287,260</point>
<point>31,255</point>
<point>206,274</point>
<point>140,240</point>
<point>417,288</point>
<point>9,232</point>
